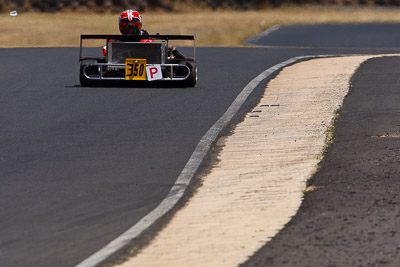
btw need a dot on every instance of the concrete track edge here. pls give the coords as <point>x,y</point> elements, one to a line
<point>191,167</point>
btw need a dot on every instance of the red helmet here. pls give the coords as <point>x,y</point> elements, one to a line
<point>130,22</point>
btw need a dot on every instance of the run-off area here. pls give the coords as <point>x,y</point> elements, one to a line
<point>257,185</point>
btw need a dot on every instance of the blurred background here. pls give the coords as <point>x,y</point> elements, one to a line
<point>55,23</point>
<point>172,5</point>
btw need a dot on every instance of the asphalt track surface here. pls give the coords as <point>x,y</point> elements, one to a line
<point>79,166</point>
<point>368,35</point>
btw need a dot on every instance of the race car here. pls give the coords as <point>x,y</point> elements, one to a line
<point>138,60</point>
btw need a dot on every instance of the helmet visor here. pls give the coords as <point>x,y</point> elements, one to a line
<point>130,27</point>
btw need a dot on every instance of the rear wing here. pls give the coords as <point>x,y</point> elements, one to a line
<point>135,38</point>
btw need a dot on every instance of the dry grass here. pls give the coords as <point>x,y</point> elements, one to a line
<point>215,28</point>
<point>311,188</point>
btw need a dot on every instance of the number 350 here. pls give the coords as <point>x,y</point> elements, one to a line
<point>135,69</point>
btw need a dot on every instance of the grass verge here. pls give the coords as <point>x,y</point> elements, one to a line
<point>212,28</point>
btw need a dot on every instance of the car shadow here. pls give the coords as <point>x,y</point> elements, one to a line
<point>135,84</point>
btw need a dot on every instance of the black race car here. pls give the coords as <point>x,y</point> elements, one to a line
<point>138,59</point>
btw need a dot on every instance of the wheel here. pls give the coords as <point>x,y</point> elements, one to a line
<point>92,70</point>
<point>192,79</point>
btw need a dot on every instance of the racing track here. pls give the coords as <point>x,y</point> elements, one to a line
<point>79,166</point>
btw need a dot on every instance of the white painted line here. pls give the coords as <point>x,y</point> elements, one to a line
<point>189,170</point>
<point>255,38</point>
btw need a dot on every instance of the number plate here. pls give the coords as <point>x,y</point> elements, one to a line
<point>135,69</point>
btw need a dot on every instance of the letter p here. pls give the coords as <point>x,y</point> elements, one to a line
<point>154,72</point>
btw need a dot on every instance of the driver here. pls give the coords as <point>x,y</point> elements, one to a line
<point>130,23</point>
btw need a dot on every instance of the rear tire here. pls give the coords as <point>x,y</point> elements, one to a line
<point>85,82</point>
<point>192,79</point>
